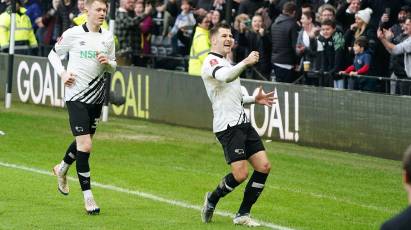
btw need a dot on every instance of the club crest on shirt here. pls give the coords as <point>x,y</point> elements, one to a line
<point>213,62</point>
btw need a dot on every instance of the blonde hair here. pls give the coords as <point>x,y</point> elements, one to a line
<point>89,2</point>
<point>323,8</point>
<point>328,7</point>
<point>360,30</point>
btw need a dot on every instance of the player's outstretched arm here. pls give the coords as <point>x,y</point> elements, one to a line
<point>227,74</point>
<point>263,98</point>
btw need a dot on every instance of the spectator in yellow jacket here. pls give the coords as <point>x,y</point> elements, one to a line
<point>25,40</point>
<point>200,45</point>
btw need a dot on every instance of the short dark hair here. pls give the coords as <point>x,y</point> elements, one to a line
<point>329,22</point>
<point>289,8</point>
<point>199,18</point>
<point>307,5</point>
<point>405,8</point>
<point>406,164</point>
<point>309,15</point>
<point>361,41</point>
<point>217,26</point>
<point>189,2</point>
<point>158,3</point>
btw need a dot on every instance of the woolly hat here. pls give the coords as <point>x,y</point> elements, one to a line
<point>364,14</point>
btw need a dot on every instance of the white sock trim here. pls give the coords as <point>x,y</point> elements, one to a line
<point>228,187</point>
<point>64,167</point>
<point>257,185</point>
<point>84,174</point>
<point>72,156</point>
<point>87,194</point>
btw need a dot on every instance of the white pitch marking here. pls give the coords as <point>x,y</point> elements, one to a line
<point>307,193</point>
<point>141,194</point>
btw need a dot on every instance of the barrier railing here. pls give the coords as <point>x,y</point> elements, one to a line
<point>325,79</point>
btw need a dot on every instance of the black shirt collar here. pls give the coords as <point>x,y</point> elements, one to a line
<point>216,54</point>
<point>86,29</point>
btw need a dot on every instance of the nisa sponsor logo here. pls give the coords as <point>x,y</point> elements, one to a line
<point>88,54</point>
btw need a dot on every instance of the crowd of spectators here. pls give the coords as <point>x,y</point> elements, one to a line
<point>315,42</point>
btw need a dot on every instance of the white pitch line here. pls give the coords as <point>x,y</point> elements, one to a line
<point>141,194</point>
<point>307,193</point>
<point>334,198</point>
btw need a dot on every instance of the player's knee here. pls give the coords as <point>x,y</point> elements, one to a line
<point>240,175</point>
<point>266,168</point>
<point>84,146</point>
<point>87,148</point>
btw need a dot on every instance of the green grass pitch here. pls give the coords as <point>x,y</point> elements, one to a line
<point>154,176</point>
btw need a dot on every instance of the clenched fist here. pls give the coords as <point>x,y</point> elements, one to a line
<point>68,78</point>
<point>252,58</point>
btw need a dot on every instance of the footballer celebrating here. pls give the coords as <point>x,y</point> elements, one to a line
<point>232,127</point>
<point>91,54</point>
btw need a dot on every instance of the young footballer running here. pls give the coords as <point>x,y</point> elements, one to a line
<point>91,53</point>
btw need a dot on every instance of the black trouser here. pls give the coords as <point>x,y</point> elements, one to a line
<point>284,75</point>
<point>404,88</point>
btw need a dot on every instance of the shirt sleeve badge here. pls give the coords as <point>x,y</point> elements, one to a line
<point>213,62</point>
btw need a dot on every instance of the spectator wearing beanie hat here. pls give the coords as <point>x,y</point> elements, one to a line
<point>361,28</point>
<point>364,15</point>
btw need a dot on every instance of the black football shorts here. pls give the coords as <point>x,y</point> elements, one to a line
<point>83,117</point>
<point>240,142</point>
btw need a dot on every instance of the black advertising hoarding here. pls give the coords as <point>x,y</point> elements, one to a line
<point>354,121</point>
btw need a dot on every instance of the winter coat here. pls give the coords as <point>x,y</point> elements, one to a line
<point>255,42</point>
<point>332,54</point>
<point>284,39</point>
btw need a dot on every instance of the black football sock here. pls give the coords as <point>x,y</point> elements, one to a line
<point>252,191</point>
<point>227,184</point>
<point>71,152</point>
<point>83,170</point>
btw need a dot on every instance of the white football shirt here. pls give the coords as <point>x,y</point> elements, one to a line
<point>82,46</point>
<point>226,97</point>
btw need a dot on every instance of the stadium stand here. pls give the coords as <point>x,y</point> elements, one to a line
<point>49,18</point>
